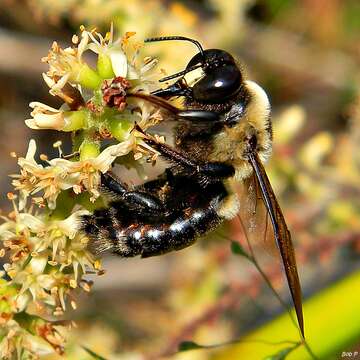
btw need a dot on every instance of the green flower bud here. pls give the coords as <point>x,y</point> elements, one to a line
<point>5,306</point>
<point>89,150</point>
<point>75,120</point>
<point>104,66</point>
<point>120,128</point>
<point>89,78</point>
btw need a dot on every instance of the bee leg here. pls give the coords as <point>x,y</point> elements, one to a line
<point>112,187</point>
<point>217,169</point>
<point>136,198</point>
<point>199,115</point>
<point>211,170</point>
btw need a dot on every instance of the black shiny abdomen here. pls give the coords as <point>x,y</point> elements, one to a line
<point>182,232</point>
<point>189,212</point>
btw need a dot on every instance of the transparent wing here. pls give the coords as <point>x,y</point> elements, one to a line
<point>255,219</point>
<point>201,122</point>
<point>265,227</point>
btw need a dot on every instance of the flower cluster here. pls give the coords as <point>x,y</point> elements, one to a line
<point>46,254</point>
<point>46,260</point>
<point>61,174</point>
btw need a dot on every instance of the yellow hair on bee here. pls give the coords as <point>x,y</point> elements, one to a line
<point>258,110</point>
<point>229,207</point>
<point>258,115</point>
<point>230,145</point>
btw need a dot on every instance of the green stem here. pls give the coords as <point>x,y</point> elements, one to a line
<point>282,302</point>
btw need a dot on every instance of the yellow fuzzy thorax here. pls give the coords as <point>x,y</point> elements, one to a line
<point>231,143</point>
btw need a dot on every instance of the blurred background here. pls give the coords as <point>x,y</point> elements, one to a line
<point>306,55</point>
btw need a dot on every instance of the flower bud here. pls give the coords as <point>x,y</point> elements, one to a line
<point>75,120</point>
<point>88,78</point>
<point>120,128</point>
<point>89,150</point>
<point>104,66</point>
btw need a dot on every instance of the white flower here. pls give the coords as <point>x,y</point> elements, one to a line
<point>15,340</point>
<point>107,47</point>
<point>66,63</point>
<point>61,174</point>
<point>37,345</point>
<point>70,226</point>
<point>124,56</point>
<point>45,117</point>
<point>119,63</point>
<point>34,177</point>
<point>37,264</point>
<point>22,301</point>
<point>55,86</point>
<point>57,243</point>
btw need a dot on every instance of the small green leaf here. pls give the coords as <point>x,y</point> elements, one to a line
<point>93,354</point>
<point>188,345</point>
<point>237,249</point>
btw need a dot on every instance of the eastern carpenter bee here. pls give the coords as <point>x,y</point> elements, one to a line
<point>222,137</point>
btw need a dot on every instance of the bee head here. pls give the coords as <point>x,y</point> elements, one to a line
<point>221,79</point>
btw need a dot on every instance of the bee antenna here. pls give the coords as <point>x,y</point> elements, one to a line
<point>180,73</point>
<point>166,38</point>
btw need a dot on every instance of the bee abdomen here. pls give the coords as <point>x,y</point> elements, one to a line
<point>182,232</point>
<point>107,232</point>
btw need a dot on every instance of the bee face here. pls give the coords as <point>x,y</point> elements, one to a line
<point>222,78</point>
<point>221,81</point>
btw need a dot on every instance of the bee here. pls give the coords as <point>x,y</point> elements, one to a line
<point>222,137</point>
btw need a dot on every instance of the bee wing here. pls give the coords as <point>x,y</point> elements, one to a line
<point>201,122</point>
<point>263,220</point>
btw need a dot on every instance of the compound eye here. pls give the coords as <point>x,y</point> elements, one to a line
<point>218,85</point>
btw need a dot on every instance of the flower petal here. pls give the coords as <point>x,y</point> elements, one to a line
<point>32,222</point>
<point>70,225</point>
<point>119,62</point>
<point>31,150</point>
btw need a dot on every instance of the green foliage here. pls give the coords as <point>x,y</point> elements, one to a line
<point>237,249</point>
